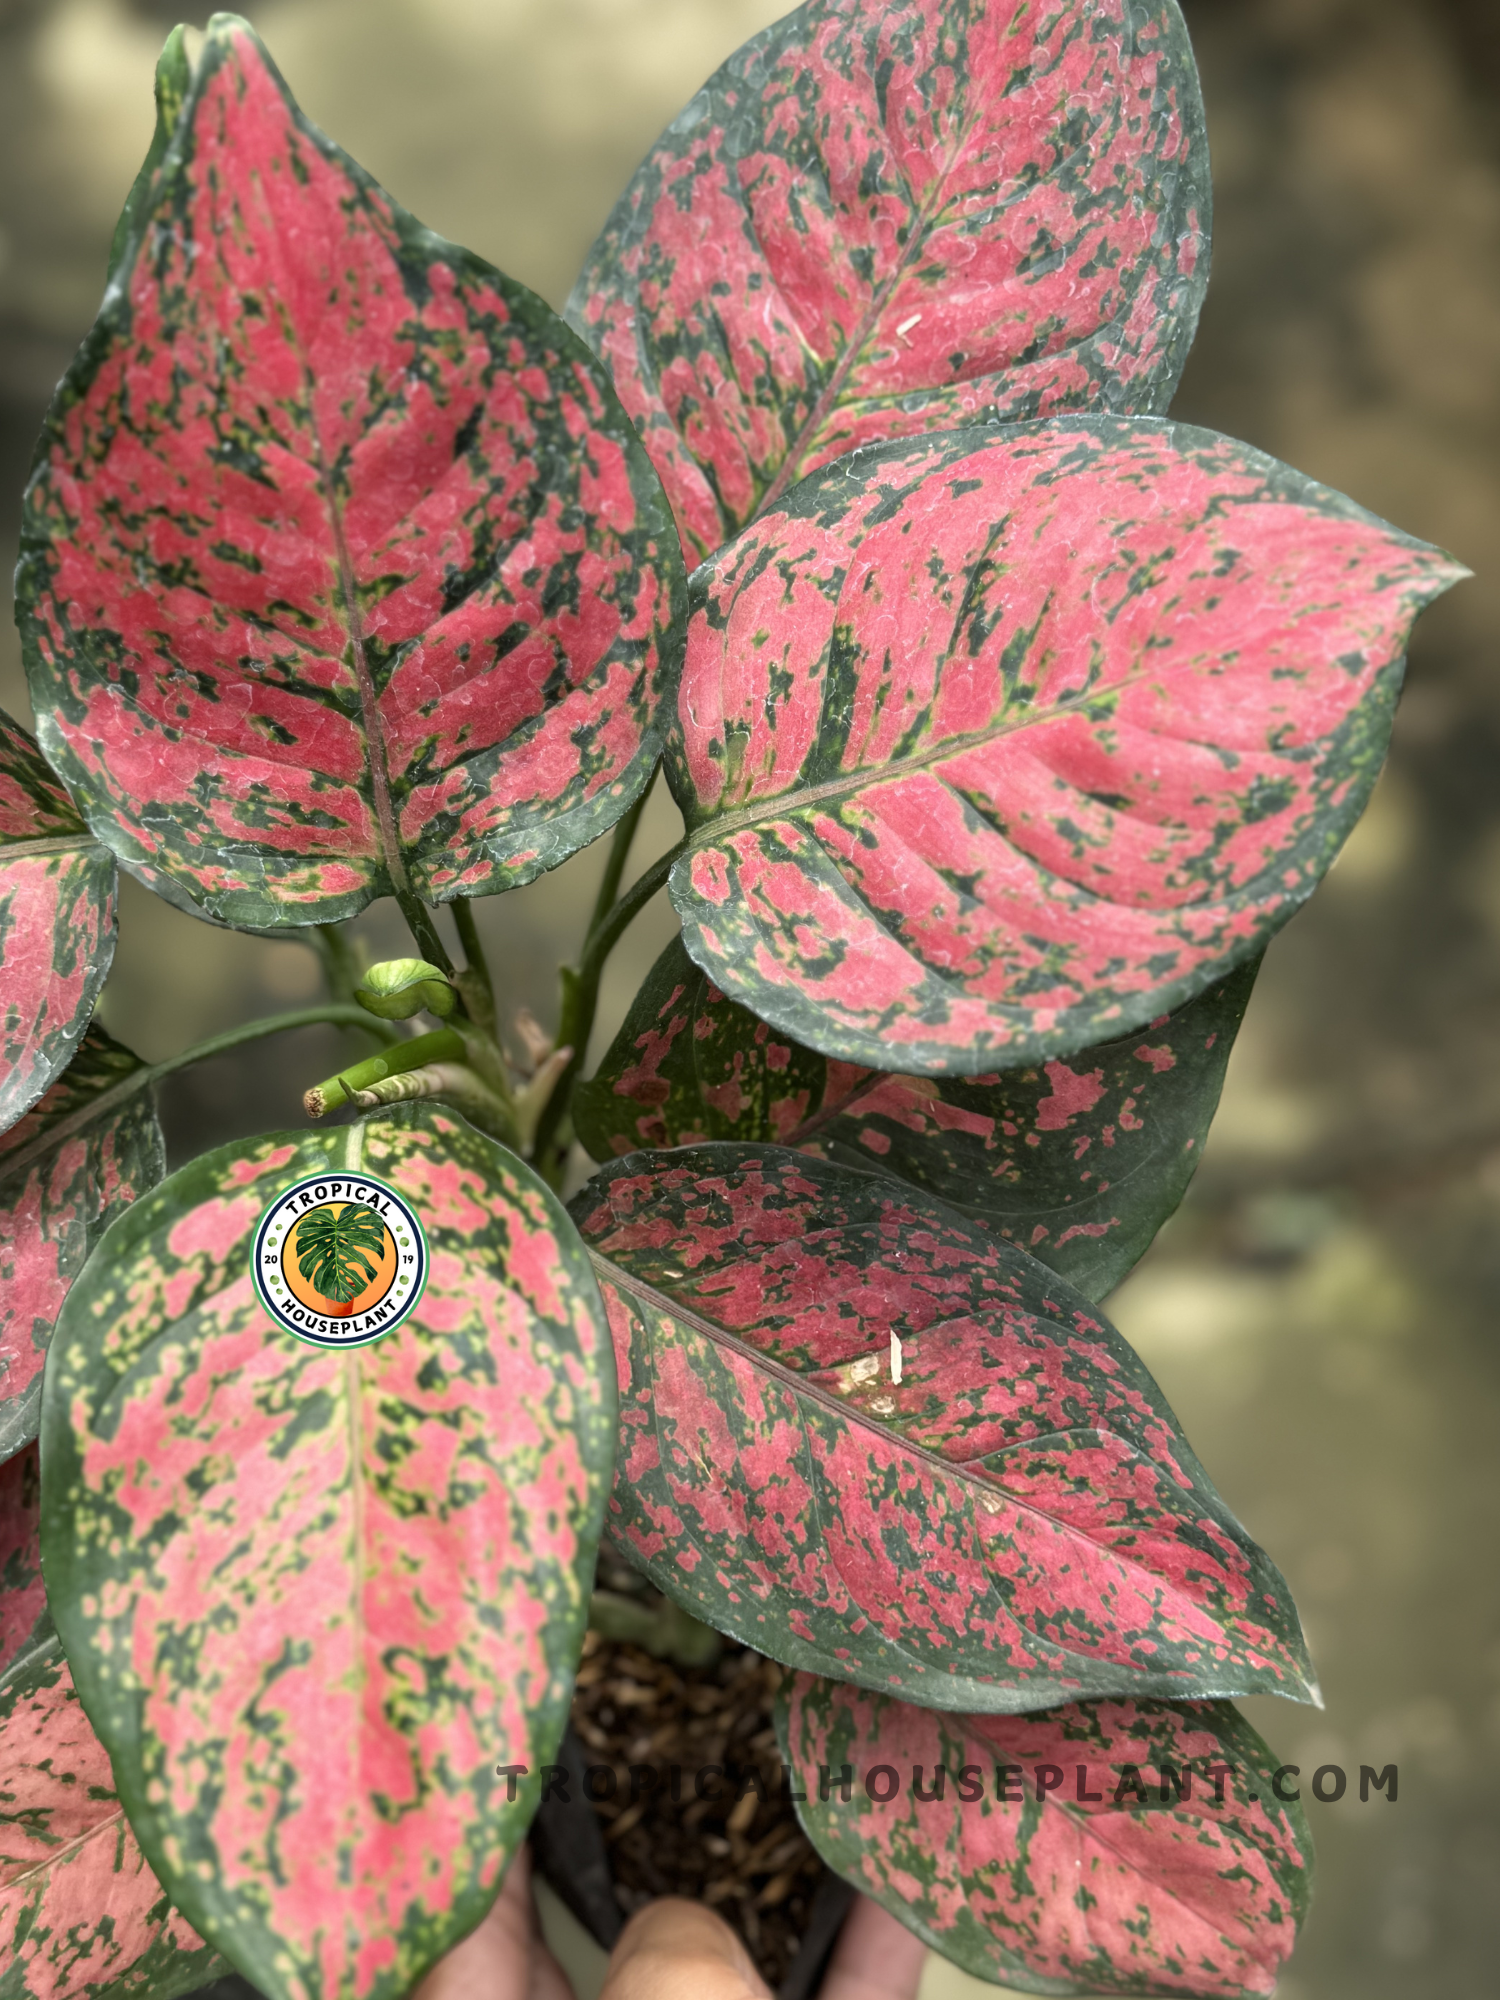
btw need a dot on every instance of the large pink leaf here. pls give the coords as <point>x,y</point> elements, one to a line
<point>1110,1867</point>
<point>1016,1521</point>
<point>78,1159</point>
<point>343,570</point>
<point>82,1917</point>
<point>315,1600</point>
<point>883,217</point>
<point>57,923</point>
<point>1078,1162</point>
<point>995,745</point>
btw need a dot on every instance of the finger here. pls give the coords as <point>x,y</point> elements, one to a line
<point>676,1950</point>
<point>548,1980</point>
<point>876,1958</point>
<point>496,1960</point>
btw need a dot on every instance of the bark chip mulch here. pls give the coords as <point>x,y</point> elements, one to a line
<point>741,1852</point>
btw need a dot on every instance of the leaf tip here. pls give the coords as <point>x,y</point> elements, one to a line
<point>1448,572</point>
<point>1434,573</point>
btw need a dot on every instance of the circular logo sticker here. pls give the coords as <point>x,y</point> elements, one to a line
<point>339,1259</point>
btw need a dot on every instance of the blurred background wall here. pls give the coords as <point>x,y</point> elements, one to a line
<point>1322,1312</point>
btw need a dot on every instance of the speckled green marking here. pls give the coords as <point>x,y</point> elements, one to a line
<point>343,571</point>
<point>871,1438</point>
<point>82,1917</point>
<point>888,217</point>
<point>313,1599</point>
<point>996,745</point>
<point>1081,1851</point>
<point>1079,1162</point>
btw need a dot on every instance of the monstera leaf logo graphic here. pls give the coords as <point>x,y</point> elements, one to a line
<point>339,1250</point>
<point>339,1260</point>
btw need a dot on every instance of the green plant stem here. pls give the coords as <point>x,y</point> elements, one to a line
<point>474,982</point>
<point>455,1084</point>
<point>341,967</point>
<point>442,1045</point>
<point>619,853</point>
<point>421,924</point>
<point>603,938</point>
<point>665,1631</point>
<point>580,1000</point>
<point>342,972</point>
<point>483,1055</point>
<point>332,1014</point>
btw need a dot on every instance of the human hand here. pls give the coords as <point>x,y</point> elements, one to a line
<point>677,1950</point>
<point>671,1950</point>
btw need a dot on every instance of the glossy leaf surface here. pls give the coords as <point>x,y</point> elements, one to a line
<point>57,923</point>
<point>1080,1163</point>
<point>994,746</point>
<point>1016,1521</point>
<point>313,1598</point>
<point>343,570</point>
<point>884,217</point>
<point>1132,1890</point>
<point>77,1160</point>
<point>82,1917</point>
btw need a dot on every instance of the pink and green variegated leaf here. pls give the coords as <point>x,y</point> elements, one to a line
<point>316,1601</point>
<point>82,1917</point>
<point>1017,1520</point>
<point>1111,1867</point>
<point>886,217</point>
<point>77,1160</point>
<point>995,745</point>
<point>25,1623</point>
<point>57,923</point>
<point>343,571</point>
<point>1078,1162</point>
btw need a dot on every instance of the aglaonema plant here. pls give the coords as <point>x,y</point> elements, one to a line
<point>1008,721</point>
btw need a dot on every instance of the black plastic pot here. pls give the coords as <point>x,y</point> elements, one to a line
<point>567,1846</point>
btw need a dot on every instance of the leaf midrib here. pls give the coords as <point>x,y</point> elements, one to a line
<point>60,843</point>
<point>785,803</point>
<point>800,1386</point>
<point>55,1855</point>
<point>364,679</point>
<point>1090,1821</point>
<point>828,396</point>
<point>359,1576</point>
